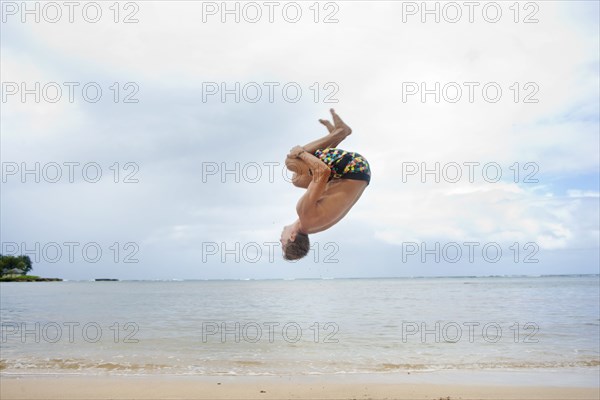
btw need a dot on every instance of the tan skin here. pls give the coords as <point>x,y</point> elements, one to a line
<point>325,202</point>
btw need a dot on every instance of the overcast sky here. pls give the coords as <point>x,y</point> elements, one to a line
<point>517,116</point>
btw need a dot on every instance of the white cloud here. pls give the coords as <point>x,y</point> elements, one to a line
<point>502,213</point>
<point>369,55</point>
<point>582,193</point>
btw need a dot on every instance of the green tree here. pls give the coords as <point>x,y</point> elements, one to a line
<point>26,262</point>
<point>9,262</point>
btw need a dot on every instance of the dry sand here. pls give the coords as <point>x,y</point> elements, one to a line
<point>283,387</point>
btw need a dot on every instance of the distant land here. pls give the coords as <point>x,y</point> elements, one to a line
<point>27,278</point>
<point>16,268</point>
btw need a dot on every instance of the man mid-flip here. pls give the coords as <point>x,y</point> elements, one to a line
<point>334,178</point>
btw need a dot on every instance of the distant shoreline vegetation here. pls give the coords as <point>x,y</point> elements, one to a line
<point>458,277</point>
<point>15,269</point>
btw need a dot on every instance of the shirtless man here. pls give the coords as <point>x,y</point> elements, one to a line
<point>335,179</point>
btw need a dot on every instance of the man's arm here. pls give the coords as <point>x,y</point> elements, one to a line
<point>320,177</point>
<point>320,170</point>
<point>301,177</point>
<point>305,163</point>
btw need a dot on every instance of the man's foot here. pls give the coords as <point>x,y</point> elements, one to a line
<point>328,125</point>
<point>338,126</point>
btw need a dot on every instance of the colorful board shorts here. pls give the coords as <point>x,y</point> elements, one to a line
<point>345,164</point>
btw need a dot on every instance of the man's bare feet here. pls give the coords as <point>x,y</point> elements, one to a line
<point>338,125</point>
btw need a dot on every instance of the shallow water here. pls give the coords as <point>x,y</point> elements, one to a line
<point>301,327</point>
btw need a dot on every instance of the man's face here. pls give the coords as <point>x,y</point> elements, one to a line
<point>287,235</point>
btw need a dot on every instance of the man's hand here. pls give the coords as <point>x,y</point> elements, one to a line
<point>296,151</point>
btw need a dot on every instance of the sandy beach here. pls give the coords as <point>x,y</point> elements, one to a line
<point>360,355</point>
<point>281,387</point>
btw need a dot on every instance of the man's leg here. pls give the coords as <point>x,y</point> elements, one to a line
<point>337,133</point>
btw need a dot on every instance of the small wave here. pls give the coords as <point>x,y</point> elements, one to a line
<point>491,365</point>
<point>78,365</point>
<point>253,367</point>
<point>249,363</point>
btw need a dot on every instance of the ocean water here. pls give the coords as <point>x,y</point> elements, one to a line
<point>306,327</point>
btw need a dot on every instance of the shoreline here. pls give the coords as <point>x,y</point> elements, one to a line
<point>27,278</point>
<point>321,278</point>
<point>565,377</point>
<point>154,387</point>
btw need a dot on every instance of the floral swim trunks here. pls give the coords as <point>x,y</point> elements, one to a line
<point>345,164</point>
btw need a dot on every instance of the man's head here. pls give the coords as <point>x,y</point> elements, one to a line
<point>294,243</point>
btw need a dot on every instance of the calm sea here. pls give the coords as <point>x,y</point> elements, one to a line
<point>301,327</point>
